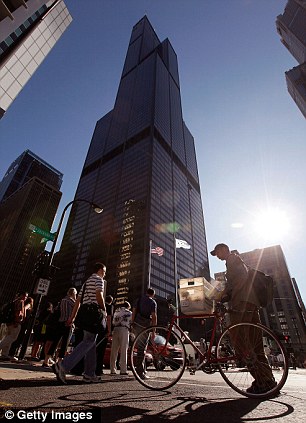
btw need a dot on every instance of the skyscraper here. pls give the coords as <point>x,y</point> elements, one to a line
<point>30,193</point>
<point>141,167</point>
<point>29,30</point>
<point>25,167</point>
<point>292,29</point>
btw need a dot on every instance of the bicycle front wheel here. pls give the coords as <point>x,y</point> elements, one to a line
<point>158,358</point>
<point>254,362</point>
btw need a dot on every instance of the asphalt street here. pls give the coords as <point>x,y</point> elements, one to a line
<point>31,391</point>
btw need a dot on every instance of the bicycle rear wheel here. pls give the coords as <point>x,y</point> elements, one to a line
<point>245,367</point>
<point>158,358</point>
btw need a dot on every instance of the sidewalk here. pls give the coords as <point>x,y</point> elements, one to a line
<point>34,370</point>
<point>24,370</point>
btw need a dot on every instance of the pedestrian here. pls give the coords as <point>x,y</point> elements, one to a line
<point>28,308</point>
<point>61,331</point>
<point>13,327</point>
<point>39,332</point>
<point>120,342</point>
<point>92,293</point>
<point>104,335</point>
<point>144,315</point>
<point>243,308</point>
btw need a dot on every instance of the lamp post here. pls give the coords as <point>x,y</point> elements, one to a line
<point>94,206</point>
<point>30,326</point>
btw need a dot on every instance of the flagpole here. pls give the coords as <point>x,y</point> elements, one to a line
<point>175,279</point>
<point>150,259</point>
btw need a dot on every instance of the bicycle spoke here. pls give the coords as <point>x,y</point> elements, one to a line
<point>158,358</point>
<point>246,368</point>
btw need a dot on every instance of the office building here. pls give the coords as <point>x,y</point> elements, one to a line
<point>292,29</point>
<point>286,315</point>
<point>141,168</point>
<point>29,29</point>
<point>33,201</point>
<point>296,84</point>
<point>25,167</point>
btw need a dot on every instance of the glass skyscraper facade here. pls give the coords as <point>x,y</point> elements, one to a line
<point>30,195</point>
<point>25,167</point>
<point>292,29</point>
<point>141,168</point>
<point>29,29</point>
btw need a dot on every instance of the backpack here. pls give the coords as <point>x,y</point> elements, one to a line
<point>262,286</point>
<point>7,312</point>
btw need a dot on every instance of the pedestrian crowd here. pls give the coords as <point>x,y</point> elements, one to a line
<point>56,327</point>
<point>91,323</point>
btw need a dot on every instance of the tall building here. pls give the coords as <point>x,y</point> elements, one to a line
<point>29,29</point>
<point>25,167</point>
<point>286,315</point>
<point>141,167</point>
<point>292,29</point>
<point>34,196</point>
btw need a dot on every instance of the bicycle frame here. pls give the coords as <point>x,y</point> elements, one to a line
<point>206,357</point>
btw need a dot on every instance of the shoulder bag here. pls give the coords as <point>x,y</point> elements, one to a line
<point>90,316</point>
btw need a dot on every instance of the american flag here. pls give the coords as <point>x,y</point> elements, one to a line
<point>157,250</point>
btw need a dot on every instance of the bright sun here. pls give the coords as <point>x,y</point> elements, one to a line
<point>272,224</point>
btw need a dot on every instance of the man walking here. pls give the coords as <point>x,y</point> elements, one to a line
<point>243,308</point>
<point>93,293</point>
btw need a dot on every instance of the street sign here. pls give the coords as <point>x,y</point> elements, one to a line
<point>42,287</point>
<point>48,235</point>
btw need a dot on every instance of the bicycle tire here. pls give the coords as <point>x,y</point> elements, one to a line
<point>240,367</point>
<point>167,363</point>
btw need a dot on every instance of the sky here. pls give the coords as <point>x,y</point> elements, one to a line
<point>250,136</point>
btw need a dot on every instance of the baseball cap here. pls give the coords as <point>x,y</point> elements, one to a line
<point>213,252</point>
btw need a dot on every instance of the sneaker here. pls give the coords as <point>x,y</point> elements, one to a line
<point>14,359</point>
<point>124,374</point>
<point>91,379</point>
<point>59,372</point>
<point>144,376</point>
<point>254,389</point>
<point>5,358</point>
<point>113,373</point>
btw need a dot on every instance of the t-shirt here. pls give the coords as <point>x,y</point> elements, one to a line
<point>94,283</point>
<point>146,306</point>
<point>122,317</point>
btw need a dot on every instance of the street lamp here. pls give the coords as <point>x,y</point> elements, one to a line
<point>97,209</point>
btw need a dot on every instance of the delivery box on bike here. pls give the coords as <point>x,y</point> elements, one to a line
<point>197,295</point>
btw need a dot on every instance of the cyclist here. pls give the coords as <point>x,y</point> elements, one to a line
<point>243,308</point>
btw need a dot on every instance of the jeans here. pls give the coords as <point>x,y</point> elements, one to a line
<point>87,349</point>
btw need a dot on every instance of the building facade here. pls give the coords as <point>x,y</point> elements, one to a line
<point>33,200</point>
<point>292,29</point>
<point>286,315</point>
<point>25,167</point>
<point>141,168</point>
<point>29,29</point>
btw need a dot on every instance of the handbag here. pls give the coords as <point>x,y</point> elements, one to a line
<point>90,316</point>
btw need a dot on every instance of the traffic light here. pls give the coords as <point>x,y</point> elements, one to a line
<point>41,265</point>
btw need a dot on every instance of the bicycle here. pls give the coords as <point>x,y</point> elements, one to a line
<point>235,364</point>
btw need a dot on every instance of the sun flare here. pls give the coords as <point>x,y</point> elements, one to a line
<point>272,224</point>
